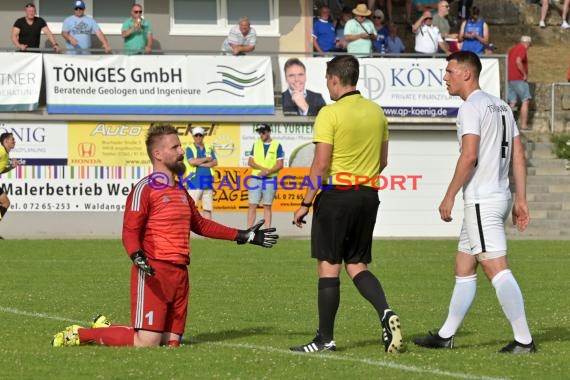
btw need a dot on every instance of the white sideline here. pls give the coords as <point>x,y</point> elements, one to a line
<point>372,362</point>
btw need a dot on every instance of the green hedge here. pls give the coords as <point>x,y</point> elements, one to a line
<point>561,145</point>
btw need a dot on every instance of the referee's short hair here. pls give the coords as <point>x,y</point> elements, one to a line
<point>345,67</point>
<point>468,58</point>
<point>154,133</point>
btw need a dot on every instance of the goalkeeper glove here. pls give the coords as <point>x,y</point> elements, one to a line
<point>140,260</point>
<point>255,235</point>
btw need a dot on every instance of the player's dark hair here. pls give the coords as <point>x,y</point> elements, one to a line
<point>468,58</point>
<point>154,133</point>
<point>345,67</point>
<point>4,136</point>
<point>292,62</point>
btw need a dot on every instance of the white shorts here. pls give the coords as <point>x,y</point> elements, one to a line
<point>207,196</point>
<point>483,229</point>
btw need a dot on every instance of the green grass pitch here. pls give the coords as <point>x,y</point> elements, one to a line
<point>249,304</point>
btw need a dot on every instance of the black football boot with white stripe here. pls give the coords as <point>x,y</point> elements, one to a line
<point>317,345</point>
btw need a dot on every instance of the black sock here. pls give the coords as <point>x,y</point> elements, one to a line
<point>370,288</point>
<point>329,299</point>
<point>3,210</point>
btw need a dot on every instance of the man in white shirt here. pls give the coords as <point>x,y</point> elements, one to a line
<point>489,142</point>
<point>241,40</point>
<point>428,37</point>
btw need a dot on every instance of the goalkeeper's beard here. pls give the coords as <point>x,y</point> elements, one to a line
<point>177,167</point>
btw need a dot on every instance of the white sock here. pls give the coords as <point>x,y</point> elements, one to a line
<point>461,300</point>
<point>511,300</point>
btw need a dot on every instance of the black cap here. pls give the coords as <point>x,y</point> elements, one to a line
<point>263,128</point>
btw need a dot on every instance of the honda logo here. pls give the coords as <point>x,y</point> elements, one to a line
<point>86,149</point>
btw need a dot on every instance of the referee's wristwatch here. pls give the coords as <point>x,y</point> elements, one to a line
<point>303,204</point>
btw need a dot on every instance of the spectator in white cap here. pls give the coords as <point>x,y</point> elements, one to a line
<point>200,161</point>
<point>518,89</point>
<point>77,31</point>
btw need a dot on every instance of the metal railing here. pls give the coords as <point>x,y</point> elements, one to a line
<point>553,102</point>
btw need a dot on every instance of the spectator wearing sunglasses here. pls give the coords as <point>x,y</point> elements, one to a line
<point>137,32</point>
<point>77,30</point>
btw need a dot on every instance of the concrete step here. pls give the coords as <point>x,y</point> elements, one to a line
<point>536,187</point>
<point>548,197</point>
<point>559,188</point>
<point>538,213</point>
<point>532,232</point>
<point>545,205</point>
<point>563,216</point>
<point>547,180</point>
<point>541,150</point>
<point>549,171</point>
<point>549,223</point>
<point>542,154</point>
<point>546,163</point>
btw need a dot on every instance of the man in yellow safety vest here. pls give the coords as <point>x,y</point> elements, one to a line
<point>266,159</point>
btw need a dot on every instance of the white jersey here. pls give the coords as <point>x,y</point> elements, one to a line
<point>490,118</point>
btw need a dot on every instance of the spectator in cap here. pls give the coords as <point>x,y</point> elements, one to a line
<point>360,32</point>
<point>200,162</point>
<point>296,99</point>
<point>77,30</point>
<point>490,48</point>
<point>27,30</point>
<point>265,160</point>
<point>518,89</point>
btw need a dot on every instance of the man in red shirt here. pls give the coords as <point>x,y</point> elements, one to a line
<point>159,216</point>
<point>518,90</point>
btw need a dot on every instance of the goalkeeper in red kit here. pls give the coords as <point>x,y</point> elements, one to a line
<point>159,216</point>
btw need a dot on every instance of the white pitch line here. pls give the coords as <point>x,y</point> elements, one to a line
<point>372,362</point>
<point>37,315</point>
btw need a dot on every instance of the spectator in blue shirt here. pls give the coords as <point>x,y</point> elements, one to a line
<point>324,35</point>
<point>201,159</point>
<point>77,31</point>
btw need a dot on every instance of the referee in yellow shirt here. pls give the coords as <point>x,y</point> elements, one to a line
<point>351,145</point>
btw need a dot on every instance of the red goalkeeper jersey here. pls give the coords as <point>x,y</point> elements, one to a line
<point>159,222</point>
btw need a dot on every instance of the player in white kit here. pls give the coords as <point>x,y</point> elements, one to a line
<point>489,142</point>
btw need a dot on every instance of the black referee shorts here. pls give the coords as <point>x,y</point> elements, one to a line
<point>343,222</point>
<point>1,190</point>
